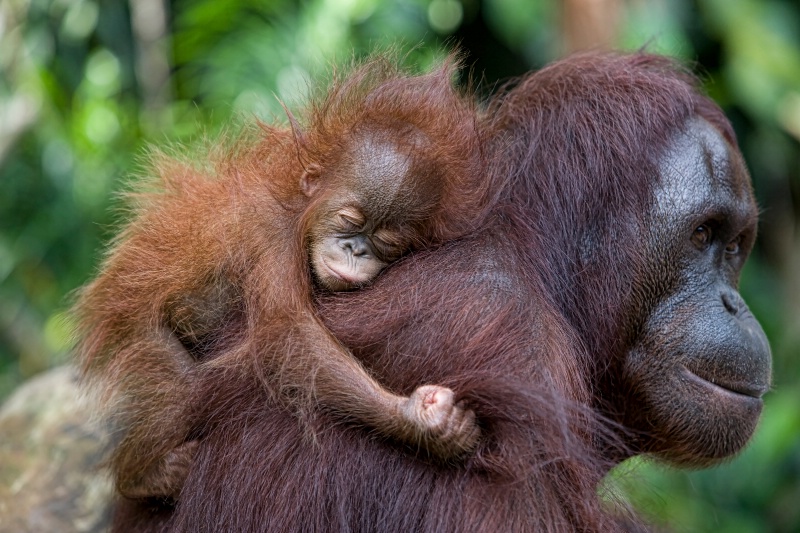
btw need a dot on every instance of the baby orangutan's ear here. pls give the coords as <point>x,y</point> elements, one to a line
<point>309,181</point>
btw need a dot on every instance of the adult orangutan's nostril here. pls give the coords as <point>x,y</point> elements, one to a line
<point>732,302</point>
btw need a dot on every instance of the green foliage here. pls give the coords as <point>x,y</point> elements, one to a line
<point>83,90</point>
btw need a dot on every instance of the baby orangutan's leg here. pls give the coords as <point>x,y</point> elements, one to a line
<point>165,478</point>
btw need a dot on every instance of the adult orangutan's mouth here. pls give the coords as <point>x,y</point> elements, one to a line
<point>738,388</point>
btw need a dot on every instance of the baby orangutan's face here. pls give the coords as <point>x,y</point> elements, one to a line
<point>373,204</point>
<point>349,251</point>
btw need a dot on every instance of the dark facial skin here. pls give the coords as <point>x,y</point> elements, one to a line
<point>367,222</point>
<point>702,363</point>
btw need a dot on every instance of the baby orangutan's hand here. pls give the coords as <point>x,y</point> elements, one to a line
<point>450,428</point>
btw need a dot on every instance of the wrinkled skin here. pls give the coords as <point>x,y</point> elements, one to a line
<point>702,362</point>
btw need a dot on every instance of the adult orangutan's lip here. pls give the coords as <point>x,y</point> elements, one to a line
<point>742,389</point>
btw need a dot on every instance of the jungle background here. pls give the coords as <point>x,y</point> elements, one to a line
<point>87,85</point>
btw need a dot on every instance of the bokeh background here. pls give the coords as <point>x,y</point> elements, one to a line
<point>86,85</point>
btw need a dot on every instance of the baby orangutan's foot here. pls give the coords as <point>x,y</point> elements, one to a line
<point>165,478</point>
<point>448,429</point>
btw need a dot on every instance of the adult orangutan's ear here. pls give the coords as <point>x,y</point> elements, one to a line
<point>309,181</point>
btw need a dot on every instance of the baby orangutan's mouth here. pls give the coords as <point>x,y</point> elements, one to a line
<point>345,279</point>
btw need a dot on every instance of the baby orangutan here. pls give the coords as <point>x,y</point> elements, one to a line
<point>210,282</point>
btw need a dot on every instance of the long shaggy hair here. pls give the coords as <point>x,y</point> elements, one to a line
<point>526,317</point>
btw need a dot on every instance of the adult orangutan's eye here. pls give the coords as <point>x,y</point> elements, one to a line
<point>702,236</point>
<point>733,246</point>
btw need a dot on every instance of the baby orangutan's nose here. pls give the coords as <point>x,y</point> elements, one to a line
<point>355,246</point>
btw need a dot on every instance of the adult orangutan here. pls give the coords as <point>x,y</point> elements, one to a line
<point>593,316</point>
<point>211,277</point>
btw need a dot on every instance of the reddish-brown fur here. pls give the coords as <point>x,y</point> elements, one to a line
<point>214,259</point>
<point>528,318</point>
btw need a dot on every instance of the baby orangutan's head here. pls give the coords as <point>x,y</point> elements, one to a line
<point>372,207</point>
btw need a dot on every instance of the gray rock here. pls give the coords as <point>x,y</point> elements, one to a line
<point>51,449</point>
